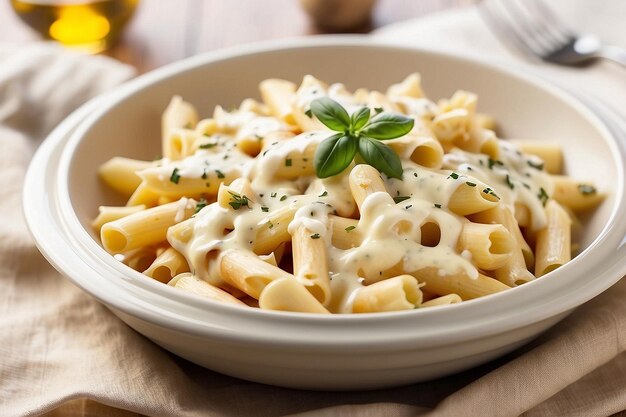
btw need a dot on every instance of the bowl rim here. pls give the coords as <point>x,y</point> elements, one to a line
<point>127,293</point>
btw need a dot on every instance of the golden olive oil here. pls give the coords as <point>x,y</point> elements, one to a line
<point>90,25</point>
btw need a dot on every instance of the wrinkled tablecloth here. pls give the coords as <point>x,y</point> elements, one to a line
<point>64,354</point>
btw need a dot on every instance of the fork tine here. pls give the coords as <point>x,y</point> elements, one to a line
<point>547,16</point>
<point>531,31</point>
<point>500,24</point>
<point>547,26</point>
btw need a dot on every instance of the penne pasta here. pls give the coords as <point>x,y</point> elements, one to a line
<point>365,180</point>
<point>144,228</point>
<point>287,294</point>
<point>178,114</point>
<point>550,153</point>
<point>463,285</point>
<point>310,263</point>
<point>187,282</point>
<point>442,301</point>
<point>247,272</point>
<point>108,214</point>
<point>121,174</point>
<point>321,200</point>
<point>279,96</point>
<point>179,144</point>
<point>167,265</point>
<point>491,245</point>
<point>553,241</point>
<point>393,294</point>
<point>470,199</point>
<point>576,195</point>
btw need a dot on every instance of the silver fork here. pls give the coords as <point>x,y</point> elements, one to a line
<point>535,30</point>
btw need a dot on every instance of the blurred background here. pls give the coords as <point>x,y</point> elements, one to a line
<point>151,33</point>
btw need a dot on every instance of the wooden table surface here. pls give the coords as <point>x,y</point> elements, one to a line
<point>164,31</point>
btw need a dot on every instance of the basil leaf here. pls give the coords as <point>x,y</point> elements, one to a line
<point>381,157</point>
<point>334,154</point>
<point>359,118</point>
<point>388,126</point>
<point>331,113</point>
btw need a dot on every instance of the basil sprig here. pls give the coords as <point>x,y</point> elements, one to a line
<point>357,134</point>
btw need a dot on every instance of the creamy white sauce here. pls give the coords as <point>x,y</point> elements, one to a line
<point>313,216</point>
<point>335,91</point>
<point>391,230</point>
<point>512,178</point>
<point>182,205</point>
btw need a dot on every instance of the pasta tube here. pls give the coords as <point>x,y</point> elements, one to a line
<point>310,263</point>
<point>553,241</point>
<point>188,282</point>
<point>287,294</point>
<point>144,228</point>
<point>247,272</point>
<point>393,294</point>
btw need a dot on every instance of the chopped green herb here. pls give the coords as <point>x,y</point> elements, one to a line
<point>492,162</point>
<point>288,162</point>
<point>490,192</point>
<point>350,228</point>
<point>200,205</point>
<point>437,205</point>
<point>309,113</point>
<point>237,200</point>
<point>586,189</point>
<point>408,207</point>
<point>470,184</point>
<point>305,159</point>
<point>270,224</point>
<point>273,195</point>
<point>207,145</point>
<point>415,174</point>
<point>283,198</point>
<point>378,110</point>
<point>509,182</point>
<point>220,174</point>
<point>454,176</point>
<point>401,198</point>
<point>526,185</point>
<point>315,236</point>
<point>175,177</point>
<point>324,194</point>
<point>543,196</point>
<point>538,166</point>
<point>265,209</point>
<point>208,184</point>
<point>204,174</point>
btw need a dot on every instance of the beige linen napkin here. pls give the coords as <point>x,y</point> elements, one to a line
<point>63,354</point>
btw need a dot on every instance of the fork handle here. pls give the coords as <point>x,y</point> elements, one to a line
<point>613,53</point>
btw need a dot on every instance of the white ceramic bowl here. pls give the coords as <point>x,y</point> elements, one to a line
<point>62,193</point>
